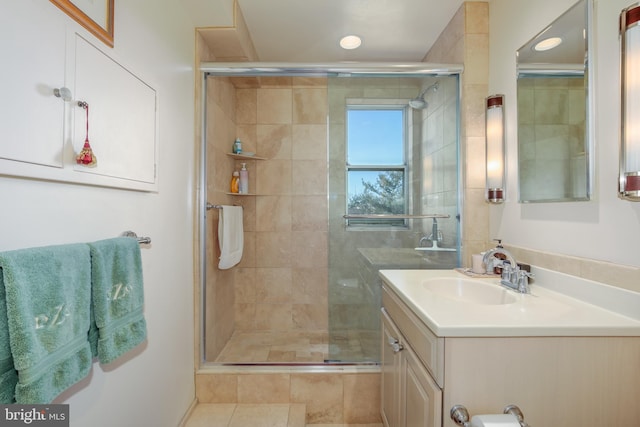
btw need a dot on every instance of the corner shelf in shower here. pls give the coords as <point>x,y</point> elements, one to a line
<point>241,194</point>
<point>245,157</point>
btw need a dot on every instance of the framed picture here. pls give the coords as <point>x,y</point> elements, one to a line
<point>94,15</point>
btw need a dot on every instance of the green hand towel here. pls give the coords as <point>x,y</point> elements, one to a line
<point>118,296</point>
<point>48,294</point>
<point>8,374</point>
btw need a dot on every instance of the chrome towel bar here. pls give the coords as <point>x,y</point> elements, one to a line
<point>394,216</point>
<point>141,240</point>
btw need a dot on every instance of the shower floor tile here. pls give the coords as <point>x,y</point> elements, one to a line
<point>296,347</point>
<point>275,347</point>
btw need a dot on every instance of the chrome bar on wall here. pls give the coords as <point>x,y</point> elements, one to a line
<point>394,216</point>
<point>141,240</point>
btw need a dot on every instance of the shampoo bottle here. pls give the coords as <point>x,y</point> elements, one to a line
<point>244,179</point>
<point>235,182</point>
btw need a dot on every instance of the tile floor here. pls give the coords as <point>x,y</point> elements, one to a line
<point>299,347</point>
<point>254,415</point>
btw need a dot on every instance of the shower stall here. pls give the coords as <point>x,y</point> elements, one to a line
<point>350,172</point>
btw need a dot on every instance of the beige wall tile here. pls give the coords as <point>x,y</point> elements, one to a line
<point>245,316</point>
<point>473,108</point>
<point>274,106</point>
<point>310,317</point>
<point>309,177</point>
<point>246,134</point>
<point>274,141</point>
<point>310,285</point>
<point>475,168</point>
<point>361,398</point>
<point>322,393</point>
<point>310,142</point>
<point>274,177</point>
<point>476,17</point>
<point>273,317</point>
<point>309,249</point>
<point>476,62</point>
<point>309,213</point>
<point>273,249</point>
<point>249,251</point>
<point>267,388</point>
<point>310,105</point>
<point>273,213</point>
<point>246,106</point>
<point>273,285</point>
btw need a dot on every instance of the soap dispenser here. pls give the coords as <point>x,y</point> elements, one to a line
<point>244,179</point>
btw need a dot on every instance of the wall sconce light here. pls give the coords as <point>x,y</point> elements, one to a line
<point>495,160</point>
<point>629,183</point>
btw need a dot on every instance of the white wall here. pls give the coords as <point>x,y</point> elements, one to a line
<point>152,385</point>
<point>607,227</point>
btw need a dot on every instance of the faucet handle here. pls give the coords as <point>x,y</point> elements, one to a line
<point>523,277</point>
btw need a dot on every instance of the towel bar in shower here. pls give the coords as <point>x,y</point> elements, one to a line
<point>394,216</point>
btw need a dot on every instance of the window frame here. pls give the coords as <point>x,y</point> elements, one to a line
<point>380,104</point>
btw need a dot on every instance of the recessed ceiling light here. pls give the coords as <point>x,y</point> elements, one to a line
<point>547,44</point>
<point>350,42</point>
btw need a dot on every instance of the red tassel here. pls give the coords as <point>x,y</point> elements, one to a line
<point>86,156</point>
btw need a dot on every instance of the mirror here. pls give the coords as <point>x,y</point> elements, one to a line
<point>554,134</point>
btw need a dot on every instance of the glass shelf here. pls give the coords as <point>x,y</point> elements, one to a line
<point>245,157</point>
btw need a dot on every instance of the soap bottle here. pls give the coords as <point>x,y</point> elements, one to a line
<point>244,179</point>
<point>237,146</point>
<point>235,182</point>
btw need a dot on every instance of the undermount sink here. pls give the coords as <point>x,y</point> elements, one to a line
<point>469,290</point>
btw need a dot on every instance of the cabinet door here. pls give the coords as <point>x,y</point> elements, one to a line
<point>421,396</point>
<point>390,363</point>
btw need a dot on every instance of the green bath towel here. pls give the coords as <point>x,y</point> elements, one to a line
<point>48,292</point>
<point>8,374</point>
<point>118,296</point>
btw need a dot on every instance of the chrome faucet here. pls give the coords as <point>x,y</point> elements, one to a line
<point>434,237</point>
<point>512,276</point>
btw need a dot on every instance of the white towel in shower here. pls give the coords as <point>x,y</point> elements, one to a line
<point>230,236</point>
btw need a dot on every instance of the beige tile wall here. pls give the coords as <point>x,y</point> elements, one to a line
<point>280,284</point>
<point>465,41</point>
<point>330,398</point>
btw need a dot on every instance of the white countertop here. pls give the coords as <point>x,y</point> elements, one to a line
<point>559,305</point>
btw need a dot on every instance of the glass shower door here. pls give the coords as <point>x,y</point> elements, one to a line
<point>392,168</point>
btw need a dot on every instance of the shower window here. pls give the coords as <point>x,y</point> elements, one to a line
<point>376,163</point>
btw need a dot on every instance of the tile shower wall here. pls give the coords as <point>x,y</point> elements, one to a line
<point>219,290</point>
<point>465,40</point>
<point>281,282</point>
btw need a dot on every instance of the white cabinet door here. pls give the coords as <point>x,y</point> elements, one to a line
<point>32,118</point>
<point>391,364</point>
<point>421,396</point>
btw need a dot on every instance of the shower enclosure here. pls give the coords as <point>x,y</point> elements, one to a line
<point>324,214</point>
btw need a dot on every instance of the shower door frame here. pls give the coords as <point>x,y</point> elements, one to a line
<point>239,69</point>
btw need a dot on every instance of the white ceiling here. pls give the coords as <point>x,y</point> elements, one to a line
<point>309,30</point>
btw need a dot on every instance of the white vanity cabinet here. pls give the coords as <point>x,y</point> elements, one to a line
<point>410,395</point>
<point>558,375</point>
